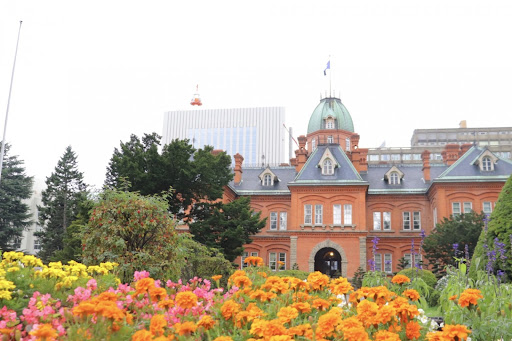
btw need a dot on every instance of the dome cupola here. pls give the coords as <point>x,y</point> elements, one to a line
<point>330,113</point>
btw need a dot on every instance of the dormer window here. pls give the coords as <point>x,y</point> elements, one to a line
<point>394,179</point>
<point>330,139</point>
<point>486,161</point>
<point>327,167</point>
<point>313,144</point>
<point>330,124</point>
<point>267,180</point>
<point>486,164</point>
<point>394,176</point>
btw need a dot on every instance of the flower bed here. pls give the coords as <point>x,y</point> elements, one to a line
<point>255,306</point>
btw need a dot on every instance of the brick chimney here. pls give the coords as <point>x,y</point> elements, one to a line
<point>354,142</point>
<point>239,159</point>
<point>301,154</point>
<point>425,157</point>
<point>464,148</point>
<point>451,154</point>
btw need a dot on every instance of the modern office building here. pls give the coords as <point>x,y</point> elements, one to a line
<point>257,133</point>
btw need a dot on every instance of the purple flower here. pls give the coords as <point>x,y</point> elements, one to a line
<point>500,247</point>
<point>455,247</point>
<point>371,263</point>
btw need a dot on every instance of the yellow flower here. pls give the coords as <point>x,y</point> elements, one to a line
<point>5,295</point>
<point>13,269</point>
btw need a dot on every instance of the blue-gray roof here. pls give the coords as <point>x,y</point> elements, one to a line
<point>345,173</point>
<point>251,183</point>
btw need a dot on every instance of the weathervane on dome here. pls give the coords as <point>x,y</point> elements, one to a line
<point>196,100</point>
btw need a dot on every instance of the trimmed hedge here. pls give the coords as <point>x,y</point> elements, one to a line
<point>426,275</point>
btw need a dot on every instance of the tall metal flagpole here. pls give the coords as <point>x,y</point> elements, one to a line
<point>2,151</point>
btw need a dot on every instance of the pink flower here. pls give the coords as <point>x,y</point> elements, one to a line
<point>138,275</point>
<point>92,285</point>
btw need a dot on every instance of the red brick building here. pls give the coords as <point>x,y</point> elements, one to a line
<point>326,208</point>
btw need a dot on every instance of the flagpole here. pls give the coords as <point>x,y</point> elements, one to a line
<point>330,77</point>
<point>2,150</point>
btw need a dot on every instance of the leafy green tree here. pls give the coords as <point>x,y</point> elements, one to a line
<point>194,175</point>
<point>15,186</point>
<point>65,189</point>
<point>499,231</point>
<point>134,231</point>
<point>458,231</point>
<point>226,226</point>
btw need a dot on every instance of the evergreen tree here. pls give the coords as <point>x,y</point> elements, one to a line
<point>60,203</point>
<point>15,186</point>
<point>494,245</point>
<point>226,227</point>
<point>194,175</point>
<point>449,238</point>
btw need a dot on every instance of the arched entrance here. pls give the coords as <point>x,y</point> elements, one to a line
<point>328,244</point>
<point>328,261</point>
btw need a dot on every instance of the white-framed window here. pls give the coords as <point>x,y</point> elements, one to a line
<point>406,220</point>
<point>330,139</point>
<point>267,180</point>
<point>412,260</point>
<point>382,220</point>
<point>347,214</point>
<point>313,144</point>
<point>394,179</point>
<point>487,207</point>
<point>456,208</point>
<point>388,263</point>
<point>329,124</point>
<point>435,216</point>
<point>273,220</point>
<point>378,262</point>
<point>486,164</point>
<point>327,167</point>
<point>416,223</point>
<point>319,214</point>
<point>308,214</point>
<point>244,256</point>
<point>406,157</point>
<point>416,156</point>
<point>385,157</point>
<point>395,157</point>
<point>336,214</point>
<point>347,143</point>
<point>277,261</point>
<point>283,217</point>
<point>387,220</point>
<point>377,223</point>
<point>468,207</point>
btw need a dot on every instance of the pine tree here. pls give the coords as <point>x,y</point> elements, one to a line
<point>60,203</point>
<point>15,186</point>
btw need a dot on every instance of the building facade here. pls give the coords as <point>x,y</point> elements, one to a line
<point>333,210</point>
<point>256,133</point>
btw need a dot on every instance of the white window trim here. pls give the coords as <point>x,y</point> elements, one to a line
<point>273,220</point>
<point>347,214</point>
<point>319,214</point>
<point>454,213</point>
<point>390,270</point>
<point>283,222</point>
<point>464,206</point>
<point>336,214</point>
<point>418,228</point>
<point>404,214</point>
<point>308,212</point>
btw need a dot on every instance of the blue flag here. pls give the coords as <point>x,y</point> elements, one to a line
<point>328,67</point>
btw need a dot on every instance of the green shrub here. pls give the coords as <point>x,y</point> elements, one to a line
<point>425,275</point>
<point>291,273</point>
<point>433,298</point>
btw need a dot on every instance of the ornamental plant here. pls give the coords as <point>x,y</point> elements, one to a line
<point>134,231</point>
<point>254,306</point>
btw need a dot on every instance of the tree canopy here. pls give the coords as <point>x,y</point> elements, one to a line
<point>194,175</point>
<point>65,189</point>
<point>134,231</point>
<point>15,187</point>
<point>226,226</point>
<point>451,236</point>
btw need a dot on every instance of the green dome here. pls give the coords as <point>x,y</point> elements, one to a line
<point>330,107</point>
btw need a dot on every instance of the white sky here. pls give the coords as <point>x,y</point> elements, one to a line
<point>90,73</point>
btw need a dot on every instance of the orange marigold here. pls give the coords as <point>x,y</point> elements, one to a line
<point>229,309</point>
<point>242,281</point>
<point>384,335</point>
<point>318,280</point>
<point>286,314</point>
<point>340,286</point>
<point>144,285</point>
<point>302,307</point>
<point>223,338</point>
<point>206,322</point>
<point>157,294</point>
<point>45,331</point>
<point>400,279</point>
<point>456,331</point>
<point>185,328</point>
<point>469,296</point>
<point>256,261</point>
<point>157,324</point>
<point>186,299</point>
<point>327,324</point>
<point>412,330</point>
<point>353,329</point>
<point>412,294</point>
<point>320,304</point>
<point>142,335</point>
<point>216,277</point>
<point>453,298</point>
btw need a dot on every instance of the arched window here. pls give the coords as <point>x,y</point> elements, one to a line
<point>329,124</point>
<point>327,168</point>
<point>330,139</point>
<point>267,180</point>
<point>394,179</point>
<point>486,164</point>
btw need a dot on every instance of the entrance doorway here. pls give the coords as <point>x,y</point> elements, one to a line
<point>328,261</point>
